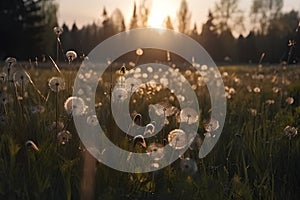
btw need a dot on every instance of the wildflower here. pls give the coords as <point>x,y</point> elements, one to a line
<point>231,91</point>
<point>188,166</point>
<point>139,52</point>
<point>31,144</point>
<point>256,90</point>
<point>92,120</point>
<point>212,125</point>
<point>75,105</point>
<point>56,84</point>
<point>156,151</point>
<point>290,131</point>
<point>20,78</point>
<point>139,139</point>
<point>189,115</point>
<point>249,88</point>
<point>289,100</point>
<point>58,31</point>
<point>64,136</point>
<point>177,139</point>
<point>71,55</point>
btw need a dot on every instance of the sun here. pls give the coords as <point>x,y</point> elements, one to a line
<point>156,20</point>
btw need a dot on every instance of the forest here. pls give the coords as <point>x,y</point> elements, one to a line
<point>271,37</point>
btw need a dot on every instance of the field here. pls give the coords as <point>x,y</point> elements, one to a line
<point>256,157</point>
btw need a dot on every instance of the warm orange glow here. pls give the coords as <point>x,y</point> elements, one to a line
<point>156,19</point>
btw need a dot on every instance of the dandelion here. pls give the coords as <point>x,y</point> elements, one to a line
<point>156,151</point>
<point>139,52</point>
<point>150,128</point>
<point>63,137</point>
<point>177,139</point>
<point>75,105</point>
<point>31,144</point>
<point>256,90</point>
<point>71,55</point>
<point>119,95</point>
<point>92,120</point>
<point>289,100</point>
<point>270,101</point>
<point>189,115</point>
<point>58,31</point>
<point>11,61</point>
<point>139,139</point>
<point>188,166</point>
<point>131,84</point>
<point>20,78</point>
<point>213,125</point>
<point>56,84</point>
<point>290,131</point>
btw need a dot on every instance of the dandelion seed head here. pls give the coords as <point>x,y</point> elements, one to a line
<point>56,84</point>
<point>58,31</point>
<point>20,78</point>
<point>256,90</point>
<point>290,131</point>
<point>92,120</point>
<point>212,125</point>
<point>11,61</point>
<point>71,55</point>
<point>177,139</point>
<point>75,106</point>
<point>289,100</point>
<point>189,115</point>
<point>139,52</point>
<point>63,137</point>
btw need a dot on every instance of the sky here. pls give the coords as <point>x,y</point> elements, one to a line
<point>89,11</point>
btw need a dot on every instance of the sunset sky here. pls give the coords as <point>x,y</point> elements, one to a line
<point>82,13</point>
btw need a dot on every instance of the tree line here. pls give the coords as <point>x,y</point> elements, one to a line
<point>274,36</point>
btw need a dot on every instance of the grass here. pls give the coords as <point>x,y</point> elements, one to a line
<point>253,159</point>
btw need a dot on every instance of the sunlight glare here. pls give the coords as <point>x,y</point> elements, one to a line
<point>156,20</point>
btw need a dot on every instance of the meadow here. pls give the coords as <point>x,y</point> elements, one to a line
<point>42,157</point>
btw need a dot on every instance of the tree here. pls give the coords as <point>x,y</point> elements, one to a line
<point>168,23</point>
<point>183,17</point>
<point>134,19</point>
<point>228,16</point>
<point>262,12</point>
<point>144,12</point>
<point>118,20</point>
<point>26,31</point>
<point>209,37</point>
